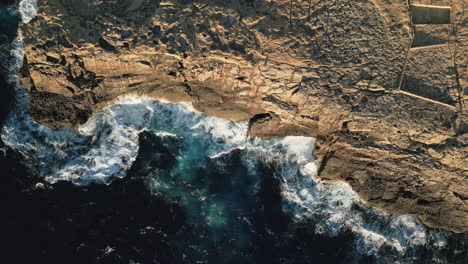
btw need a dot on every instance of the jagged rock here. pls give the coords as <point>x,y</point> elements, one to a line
<point>126,34</point>
<point>106,44</point>
<point>54,58</point>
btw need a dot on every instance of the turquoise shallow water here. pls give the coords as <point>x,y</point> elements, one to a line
<point>220,195</point>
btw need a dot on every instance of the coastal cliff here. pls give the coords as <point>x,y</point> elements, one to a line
<point>386,105</point>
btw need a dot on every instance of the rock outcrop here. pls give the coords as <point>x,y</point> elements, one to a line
<point>389,117</point>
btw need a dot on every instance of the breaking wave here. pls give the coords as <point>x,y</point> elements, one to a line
<point>106,146</point>
<point>27,9</point>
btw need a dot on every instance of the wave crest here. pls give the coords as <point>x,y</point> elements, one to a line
<point>28,10</point>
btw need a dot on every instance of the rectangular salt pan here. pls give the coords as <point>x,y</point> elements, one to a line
<point>427,14</point>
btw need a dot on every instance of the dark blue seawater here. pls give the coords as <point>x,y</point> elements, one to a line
<point>145,181</point>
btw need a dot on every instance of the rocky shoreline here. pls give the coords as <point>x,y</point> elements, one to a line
<point>339,71</point>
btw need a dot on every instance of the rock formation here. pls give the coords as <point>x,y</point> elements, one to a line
<point>382,93</point>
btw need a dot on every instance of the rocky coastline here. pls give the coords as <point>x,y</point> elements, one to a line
<point>389,118</point>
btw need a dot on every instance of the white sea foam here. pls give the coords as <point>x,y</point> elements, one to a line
<point>165,134</point>
<point>336,207</point>
<point>28,10</point>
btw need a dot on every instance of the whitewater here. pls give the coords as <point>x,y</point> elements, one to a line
<point>105,147</point>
